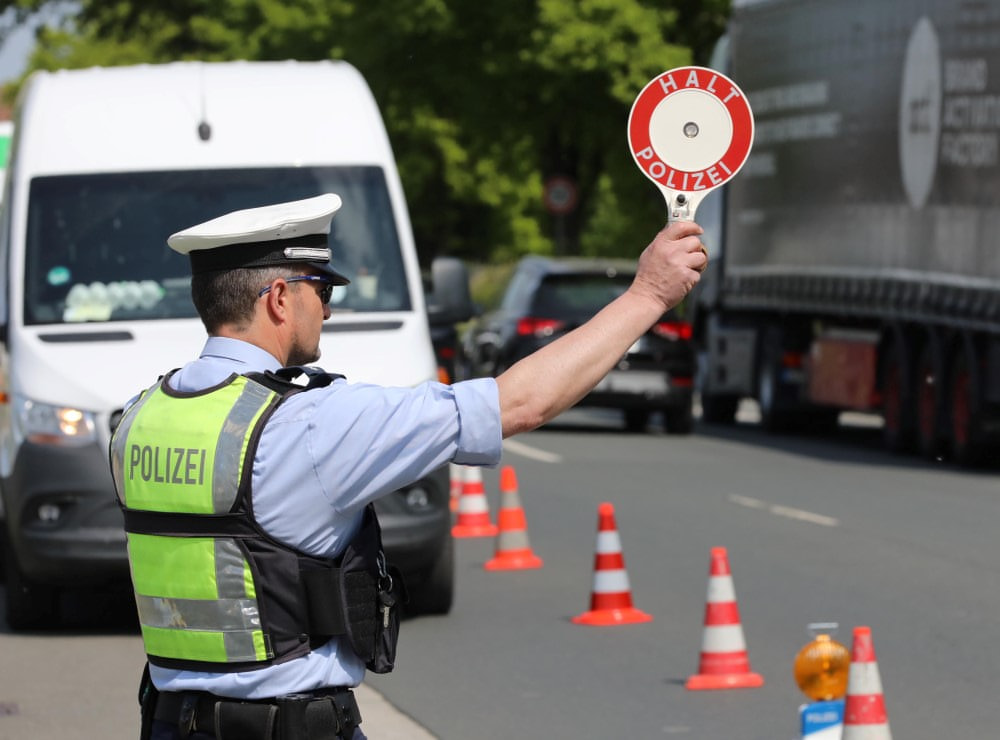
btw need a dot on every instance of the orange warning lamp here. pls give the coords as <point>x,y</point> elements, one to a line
<point>821,667</point>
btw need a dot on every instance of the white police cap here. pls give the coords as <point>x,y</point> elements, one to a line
<point>282,234</point>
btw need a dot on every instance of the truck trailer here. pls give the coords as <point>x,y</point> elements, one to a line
<point>855,258</point>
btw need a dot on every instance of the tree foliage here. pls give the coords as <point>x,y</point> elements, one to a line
<point>483,101</point>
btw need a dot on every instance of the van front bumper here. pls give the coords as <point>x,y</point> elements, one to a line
<point>416,525</point>
<point>62,517</point>
<point>65,526</point>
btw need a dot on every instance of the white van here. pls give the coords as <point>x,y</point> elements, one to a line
<point>105,164</point>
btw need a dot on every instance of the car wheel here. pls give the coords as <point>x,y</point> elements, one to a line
<point>435,592</point>
<point>678,419</point>
<point>718,409</point>
<point>29,605</point>
<point>636,419</point>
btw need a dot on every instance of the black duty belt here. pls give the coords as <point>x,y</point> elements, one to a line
<point>327,714</point>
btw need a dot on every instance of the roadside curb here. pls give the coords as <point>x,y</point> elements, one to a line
<point>382,721</point>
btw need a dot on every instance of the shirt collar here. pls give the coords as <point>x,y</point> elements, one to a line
<point>240,352</point>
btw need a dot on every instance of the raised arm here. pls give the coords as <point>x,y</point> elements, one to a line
<point>549,381</point>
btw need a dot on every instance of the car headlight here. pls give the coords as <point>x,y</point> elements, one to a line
<point>43,423</point>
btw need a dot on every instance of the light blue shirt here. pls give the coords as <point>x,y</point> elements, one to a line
<point>323,456</point>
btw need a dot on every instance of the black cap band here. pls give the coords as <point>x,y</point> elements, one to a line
<point>309,248</point>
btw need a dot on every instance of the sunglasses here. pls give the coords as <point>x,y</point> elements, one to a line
<point>325,293</point>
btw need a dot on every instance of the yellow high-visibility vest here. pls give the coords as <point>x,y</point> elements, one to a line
<point>183,453</point>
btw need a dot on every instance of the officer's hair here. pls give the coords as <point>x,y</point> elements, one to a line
<point>228,297</point>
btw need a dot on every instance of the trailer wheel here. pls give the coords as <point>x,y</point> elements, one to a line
<point>929,401</point>
<point>897,398</point>
<point>775,416</point>
<point>965,409</point>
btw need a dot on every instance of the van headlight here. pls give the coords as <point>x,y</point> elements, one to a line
<point>45,424</point>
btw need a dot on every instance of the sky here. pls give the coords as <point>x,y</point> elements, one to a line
<point>14,52</point>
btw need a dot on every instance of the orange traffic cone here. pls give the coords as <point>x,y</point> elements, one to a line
<point>456,475</point>
<point>611,597</point>
<point>724,662</point>
<point>864,708</point>
<point>473,510</point>
<point>513,550</point>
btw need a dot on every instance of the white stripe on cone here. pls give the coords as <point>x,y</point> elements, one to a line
<point>864,679</point>
<point>473,503</point>
<point>726,638</point>
<point>720,589</point>
<point>866,732</point>
<point>608,543</point>
<point>610,581</point>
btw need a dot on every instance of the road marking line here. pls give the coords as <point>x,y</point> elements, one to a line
<point>519,448</point>
<point>785,511</point>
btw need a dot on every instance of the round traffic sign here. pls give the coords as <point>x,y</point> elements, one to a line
<point>690,129</point>
<point>560,194</point>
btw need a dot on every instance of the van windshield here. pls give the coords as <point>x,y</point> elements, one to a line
<point>96,245</point>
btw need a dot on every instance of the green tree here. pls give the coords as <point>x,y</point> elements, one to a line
<point>483,101</point>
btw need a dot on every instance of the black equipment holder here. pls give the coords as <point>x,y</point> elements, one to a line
<point>319,715</point>
<point>363,597</point>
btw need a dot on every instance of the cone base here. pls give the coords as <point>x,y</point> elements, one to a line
<point>474,530</point>
<point>708,681</point>
<point>610,617</point>
<point>518,561</point>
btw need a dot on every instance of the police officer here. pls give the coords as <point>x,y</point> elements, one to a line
<point>256,560</point>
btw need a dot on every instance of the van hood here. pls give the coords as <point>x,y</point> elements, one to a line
<point>100,367</point>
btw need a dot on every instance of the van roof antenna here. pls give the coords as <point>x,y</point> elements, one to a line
<point>204,128</point>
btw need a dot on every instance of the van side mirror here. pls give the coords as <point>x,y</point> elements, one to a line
<point>449,300</point>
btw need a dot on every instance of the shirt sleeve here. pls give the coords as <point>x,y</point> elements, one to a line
<point>365,441</point>
<point>480,437</point>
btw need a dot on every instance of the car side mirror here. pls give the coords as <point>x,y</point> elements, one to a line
<point>449,300</point>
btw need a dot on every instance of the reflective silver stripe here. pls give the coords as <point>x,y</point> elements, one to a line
<point>233,614</point>
<point>120,437</point>
<point>229,570</point>
<point>228,450</point>
<point>224,615</point>
<point>240,647</point>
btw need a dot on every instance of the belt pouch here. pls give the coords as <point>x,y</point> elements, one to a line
<point>245,721</point>
<point>308,718</point>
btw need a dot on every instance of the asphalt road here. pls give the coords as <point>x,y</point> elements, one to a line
<point>816,530</point>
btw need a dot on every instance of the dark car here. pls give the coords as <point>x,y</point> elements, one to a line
<point>548,297</point>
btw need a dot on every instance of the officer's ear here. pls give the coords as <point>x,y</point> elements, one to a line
<point>276,299</point>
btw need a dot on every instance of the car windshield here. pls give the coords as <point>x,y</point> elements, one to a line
<point>96,244</point>
<point>577,296</point>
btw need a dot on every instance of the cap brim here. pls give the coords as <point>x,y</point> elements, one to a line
<point>327,270</point>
